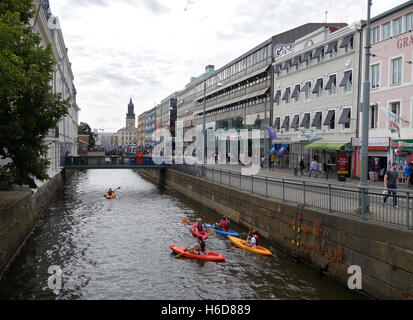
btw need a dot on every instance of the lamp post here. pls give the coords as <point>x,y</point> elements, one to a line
<point>363,200</point>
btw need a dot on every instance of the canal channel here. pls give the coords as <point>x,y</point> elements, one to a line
<point>119,249</point>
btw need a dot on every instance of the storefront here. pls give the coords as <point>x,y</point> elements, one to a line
<point>403,152</point>
<point>378,157</point>
<point>337,155</point>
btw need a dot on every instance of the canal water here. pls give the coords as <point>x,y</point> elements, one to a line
<point>119,249</point>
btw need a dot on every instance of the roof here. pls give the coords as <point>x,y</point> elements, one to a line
<point>389,12</point>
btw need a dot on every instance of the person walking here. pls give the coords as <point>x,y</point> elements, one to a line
<point>407,173</point>
<point>391,178</point>
<point>325,169</point>
<point>301,166</point>
<point>314,168</point>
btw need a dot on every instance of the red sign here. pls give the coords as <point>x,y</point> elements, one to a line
<point>405,42</point>
<point>342,163</point>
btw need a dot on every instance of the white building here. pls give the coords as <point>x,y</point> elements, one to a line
<point>316,91</point>
<point>64,137</point>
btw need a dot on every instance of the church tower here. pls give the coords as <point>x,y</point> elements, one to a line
<point>130,116</point>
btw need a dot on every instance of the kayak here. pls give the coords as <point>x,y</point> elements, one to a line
<point>196,233</point>
<point>208,256</point>
<point>241,243</point>
<point>219,231</point>
<point>110,197</point>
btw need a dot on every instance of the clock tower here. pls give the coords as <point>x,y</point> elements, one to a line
<point>130,116</point>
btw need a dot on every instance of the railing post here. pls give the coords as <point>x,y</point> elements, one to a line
<point>329,197</point>
<point>304,192</point>
<point>283,189</point>
<point>220,176</point>
<point>240,185</point>
<point>252,183</point>
<point>363,206</point>
<point>229,178</point>
<point>266,186</point>
<point>407,210</point>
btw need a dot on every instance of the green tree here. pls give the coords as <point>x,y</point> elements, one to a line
<point>28,107</point>
<point>84,128</point>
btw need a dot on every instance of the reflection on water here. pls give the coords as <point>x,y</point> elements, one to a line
<point>119,249</point>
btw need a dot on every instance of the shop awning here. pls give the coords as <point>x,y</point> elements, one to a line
<point>325,145</point>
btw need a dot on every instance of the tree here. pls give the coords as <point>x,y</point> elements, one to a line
<point>28,107</point>
<point>84,128</point>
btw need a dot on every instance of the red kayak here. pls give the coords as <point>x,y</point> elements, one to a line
<point>196,233</point>
<point>208,256</point>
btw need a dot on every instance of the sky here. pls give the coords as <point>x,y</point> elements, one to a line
<point>148,49</point>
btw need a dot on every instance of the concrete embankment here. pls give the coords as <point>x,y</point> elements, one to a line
<point>327,241</point>
<point>19,212</point>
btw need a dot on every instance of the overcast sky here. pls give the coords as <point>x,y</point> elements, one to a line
<point>148,49</point>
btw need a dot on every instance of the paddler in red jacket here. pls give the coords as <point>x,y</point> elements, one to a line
<point>223,224</point>
<point>200,226</point>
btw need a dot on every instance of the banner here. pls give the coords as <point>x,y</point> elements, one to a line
<point>310,134</point>
<point>342,163</point>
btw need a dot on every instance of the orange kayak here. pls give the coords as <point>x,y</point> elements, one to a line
<point>110,197</point>
<point>241,243</point>
<point>208,256</point>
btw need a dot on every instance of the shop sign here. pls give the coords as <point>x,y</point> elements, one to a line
<point>373,142</point>
<point>405,42</point>
<point>347,147</point>
<point>406,144</point>
<point>342,163</point>
<point>282,49</point>
<point>310,134</point>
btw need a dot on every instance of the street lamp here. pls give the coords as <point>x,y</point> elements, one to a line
<point>363,200</point>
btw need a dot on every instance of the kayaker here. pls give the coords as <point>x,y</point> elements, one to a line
<point>254,240</point>
<point>200,226</point>
<point>223,224</point>
<point>110,192</point>
<point>199,247</point>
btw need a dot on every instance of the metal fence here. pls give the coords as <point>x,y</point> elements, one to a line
<point>327,196</point>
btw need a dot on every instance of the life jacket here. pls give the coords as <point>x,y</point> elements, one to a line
<point>199,227</point>
<point>110,192</point>
<point>257,239</point>
<point>225,226</point>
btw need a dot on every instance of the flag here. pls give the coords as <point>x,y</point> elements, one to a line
<point>271,132</point>
<point>394,120</point>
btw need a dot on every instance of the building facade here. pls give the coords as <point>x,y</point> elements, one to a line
<point>391,89</point>
<point>316,97</point>
<point>64,137</point>
<point>141,129</point>
<point>150,126</point>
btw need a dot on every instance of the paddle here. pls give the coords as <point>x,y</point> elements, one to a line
<point>249,231</point>
<point>178,255</point>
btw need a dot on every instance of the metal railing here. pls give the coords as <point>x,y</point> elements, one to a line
<point>327,196</point>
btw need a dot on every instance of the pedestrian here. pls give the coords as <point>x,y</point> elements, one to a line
<point>325,169</point>
<point>314,168</point>
<point>407,173</point>
<point>390,182</point>
<point>301,166</point>
<point>272,161</point>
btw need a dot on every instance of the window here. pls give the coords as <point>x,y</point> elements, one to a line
<point>375,76</point>
<point>347,43</point>
<point>347,81</point>
<point>374,113</point>
<point>318,88</point>
<point>397,26</point>
<point>345,118</point>
<point>286,95</point>
<point>332,49</point>
<point>296,93</point>
<point>306,121</point>
<point>331,84</point>
<point>386,31</point>
<point>317,120</point>
<point>330,120</point>
<point>395,108</point>
<point>396,75</point>
<point>307,90</point>
<point>286,123</point>
<point>409,22</point>
<point>277,123</point>
<point>376,34</point>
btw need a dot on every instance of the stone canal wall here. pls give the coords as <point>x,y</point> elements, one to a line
<point>326,241</point>
<point>19,212</point>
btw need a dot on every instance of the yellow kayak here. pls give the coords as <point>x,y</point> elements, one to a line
<point>241,243</point>
<point>110,197</point>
